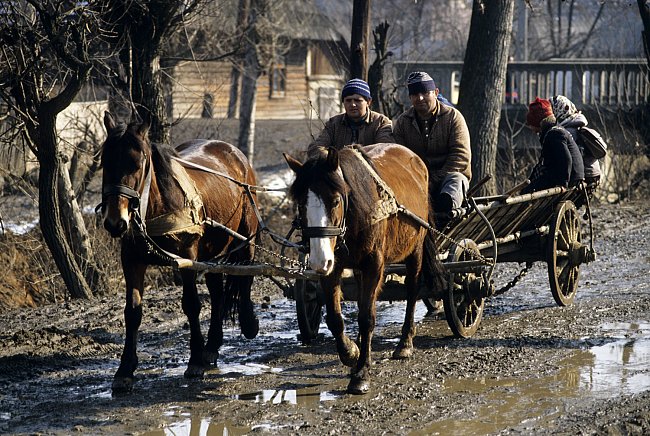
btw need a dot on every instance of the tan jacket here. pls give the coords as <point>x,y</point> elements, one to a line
<point>447,149</point>
<point>338,133</point>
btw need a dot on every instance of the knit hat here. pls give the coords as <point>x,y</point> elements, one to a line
<point>420,82</point>
<point>356,86</point>
<point>537,111</point>
<point>562,107</point>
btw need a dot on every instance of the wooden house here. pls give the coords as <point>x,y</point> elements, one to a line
<point>304,82</point>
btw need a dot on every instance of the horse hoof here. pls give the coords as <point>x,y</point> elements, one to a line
<point>122,385</point>
<point>210,357</point>
<point>250,325</point>
<point>194,371</point>
<point>358,386</point>
<point>402,353</point>
<point>349,355</point>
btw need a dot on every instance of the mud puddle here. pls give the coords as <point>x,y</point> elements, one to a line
<point>612,365</point>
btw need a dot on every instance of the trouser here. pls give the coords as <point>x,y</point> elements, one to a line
<point>446,195</point>
<point>449,193</point>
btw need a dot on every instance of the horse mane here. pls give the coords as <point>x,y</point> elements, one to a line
<point>161,157</point>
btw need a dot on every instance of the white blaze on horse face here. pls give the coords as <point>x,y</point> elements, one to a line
<point>116,211</point>
<point>321,253</point>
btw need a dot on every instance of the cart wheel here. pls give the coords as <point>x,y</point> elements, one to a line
<point>308,309</point>
<point>562,258</point>
<point>463,300</point>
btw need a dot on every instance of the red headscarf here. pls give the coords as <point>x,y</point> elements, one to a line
<point>537,111</point>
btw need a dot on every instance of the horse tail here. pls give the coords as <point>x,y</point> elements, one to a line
<point>433,271</point>
<point>238,301</point>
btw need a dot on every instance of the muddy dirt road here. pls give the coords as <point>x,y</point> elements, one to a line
<point>532,367</point>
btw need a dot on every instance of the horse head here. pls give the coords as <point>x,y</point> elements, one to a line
<point>320,193</point>
<point>127,172</point>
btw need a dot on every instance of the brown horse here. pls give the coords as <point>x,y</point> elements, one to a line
<point>350,205</point>
<point>160,201</point>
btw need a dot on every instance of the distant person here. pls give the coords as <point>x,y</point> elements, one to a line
<point>560,162</point>
<point>438,133</point>
<point>572,120</point>
<point>357,125</point>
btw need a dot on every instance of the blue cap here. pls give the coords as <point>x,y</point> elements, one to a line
<point>356,86</point>
<point>420,82</point>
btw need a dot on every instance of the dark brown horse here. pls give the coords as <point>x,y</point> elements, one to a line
<point>160,201</point>
<point>348,205</point>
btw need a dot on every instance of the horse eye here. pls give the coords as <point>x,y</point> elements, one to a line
<point>336,202</point>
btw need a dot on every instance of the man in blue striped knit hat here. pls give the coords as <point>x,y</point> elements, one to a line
<point>357,125</point>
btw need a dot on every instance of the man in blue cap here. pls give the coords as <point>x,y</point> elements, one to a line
<point>358,125</point>
<point>438,134</point>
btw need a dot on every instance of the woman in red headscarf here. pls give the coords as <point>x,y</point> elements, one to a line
<point>560,163</point>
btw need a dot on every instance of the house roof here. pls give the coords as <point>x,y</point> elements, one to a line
<point>307,22</point>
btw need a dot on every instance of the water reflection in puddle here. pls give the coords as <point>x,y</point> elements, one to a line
<point>200,427</point>
<point>302,397</point>
<point>619,367</point>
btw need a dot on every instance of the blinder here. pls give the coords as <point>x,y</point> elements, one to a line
<point>327,231</point>
<point>137,202</point>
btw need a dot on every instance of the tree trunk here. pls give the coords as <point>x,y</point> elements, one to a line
<point>243,11</point>
<point>359,39</point>
<point>251,72</point>
<point>147,86</point>
<point>51,166</point>
<point>376,70</point>
<point>482,84</point>
<point>75,229</point>
<point>247,105</point>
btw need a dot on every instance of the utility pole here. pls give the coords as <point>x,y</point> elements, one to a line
<point>359,39</point>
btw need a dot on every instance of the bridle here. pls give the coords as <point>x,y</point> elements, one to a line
<point>337,231</point>
<point>138,201</point>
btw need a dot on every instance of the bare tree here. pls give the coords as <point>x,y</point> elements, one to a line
<point>266,41</point>
<point>47,59</point>
<point>141,30</point>
<point>483,83</point>
<point>376,70</point>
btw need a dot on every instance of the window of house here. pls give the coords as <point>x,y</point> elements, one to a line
<point>208,109</point>
<point>278,79</point>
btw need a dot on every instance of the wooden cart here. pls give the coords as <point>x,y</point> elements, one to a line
<point>541,226</point>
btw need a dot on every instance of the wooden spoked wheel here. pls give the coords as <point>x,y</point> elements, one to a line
<point>564,253</point>
<point>309,309</point>
<point>463,301</point>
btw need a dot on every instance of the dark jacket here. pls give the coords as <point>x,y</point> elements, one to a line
<point>591,164</point>
<point>560,163</point>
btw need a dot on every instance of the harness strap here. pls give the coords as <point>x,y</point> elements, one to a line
<point>253,188</point>
<point>387,204</point>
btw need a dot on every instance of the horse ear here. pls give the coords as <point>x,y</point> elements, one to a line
<point>293,163</point>
<point>143,128</point>
<point>109,121</point>
<point>333,158</point>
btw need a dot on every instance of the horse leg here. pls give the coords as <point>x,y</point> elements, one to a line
<point>404,349</point>
<point>192,308</point>
<point>346,348</point>
<point>214,283</point>
<point>371,284</point>
<point>134,278</point>
<point>248,321</point>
